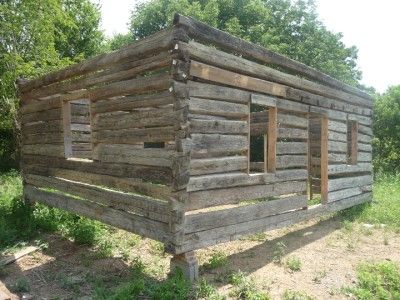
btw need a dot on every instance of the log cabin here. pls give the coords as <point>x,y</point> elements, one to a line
<point>194,137</point>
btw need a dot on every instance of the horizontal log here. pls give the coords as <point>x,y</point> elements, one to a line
<point>291,161</point>
<point>365,129</point>
<point>364,156</point>
<point>47,115</point>
<point>133,136</point>
<point>219,75</point>
<point>347,182</point>
<point>292,120</point>
<point>364,138</point>
<point>137,68</point>
<point>217,165</point>
<point>118,218</point>
<point>42,127</point>
<point>344,193</point>
<point>129,103</point>
<point>225,217</point>
<point>218,143</point>
<point>310,92</point>
<point>206,33</point>
<point>291,148</point>
<point>40,106</point>
<point>292,133</point>
<point>208,198</point>
<point>152,44</point>
<point>336,136</point>
<point>217,92</point>
<point>138,119</point>
<point>128,154</point>
<point>43,138</point>
<point>215,181</point>
<point>217,108</point>
<point>218,126</point>
<point>201,239</point>
<point>157,82</point>
<point>139,204</point>
<point>44,149</point>
<point>364,147</point>
<point>337,126</point>
<point>155,174</point>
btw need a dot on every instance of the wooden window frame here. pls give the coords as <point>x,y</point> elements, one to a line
<point>352,142</point>
<point>67,131</point>
<point>270,139</point>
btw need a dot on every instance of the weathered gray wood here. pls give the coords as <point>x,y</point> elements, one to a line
<point>347,182</point>
<point>156,42</point>
<point>214,236</point>
<point>263,100</point>
<point>119,153</point>
<point>217,165</point>
<point>365,129</point>
<point>337,126</point>
<point>217,92</point>
<point>292,120</point>
<point>208,198</point>
<point>240,65</point>
<point>157,82</point>
<point>146,173</point>
<point>43,138</point>
<point>364,156</point>
<point>139,204</point>
<point>42,127</point>
<point>207,33</point>
<point>118,218</point>
<point>47,115</point>
<point>225,217</point>
<point>217,108</point>
<point>146,118</point>
<point>345,193</point>
<point>44,149</point>
<point>129,103</point>
<point>291,148</point>
<point>292,133</point>
<point>218,126</point>
<point>291,161</point>
<point>40,106</point>
<point>133,136</point>
<point>217,143</point>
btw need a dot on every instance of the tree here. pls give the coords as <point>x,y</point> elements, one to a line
<point>386,129</point>
<point>288,27</point>
<point>37,37</point>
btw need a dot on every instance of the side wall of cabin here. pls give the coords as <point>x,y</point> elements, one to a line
<point>317,141</point>
<point>100,139</point>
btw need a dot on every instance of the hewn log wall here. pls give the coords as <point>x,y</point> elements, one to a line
<point>101,135</point>
<point>222,85</point>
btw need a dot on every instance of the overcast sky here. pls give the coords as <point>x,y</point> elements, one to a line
<point>373,26</point>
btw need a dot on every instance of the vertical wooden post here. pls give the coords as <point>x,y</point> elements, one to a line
<point>324,159</point>
<point>248,135</point>
<point>272,136</point>
<point>66,119</point>
<point>353,142</point>
<point>187,263</point>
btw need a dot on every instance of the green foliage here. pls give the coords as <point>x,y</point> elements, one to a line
<point>288,27</point>
<point>245,287</point>
<point>118,41</point>
<point>296,295</point>
<point>384,209</point>
<point>217,259</point>
<point>35,38</point>
<point>379,280</point>
<point>206,291</point>
<point>21,286</point>
<point>293,263</point>
<point>386,129</point>
<point>279,252</point>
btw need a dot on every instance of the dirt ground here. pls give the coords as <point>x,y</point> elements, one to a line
<point>329,253</point>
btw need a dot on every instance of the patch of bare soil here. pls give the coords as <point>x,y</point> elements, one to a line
<point>328,253</point>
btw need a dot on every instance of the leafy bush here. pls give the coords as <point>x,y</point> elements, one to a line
<point>296,295</point>
<point>217,259</point>
<point>245,287</point>
<point>379,280</point>
<point>293,263</point>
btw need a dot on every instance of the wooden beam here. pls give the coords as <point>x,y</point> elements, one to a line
<point>324,159</point>
<point>272,137</point>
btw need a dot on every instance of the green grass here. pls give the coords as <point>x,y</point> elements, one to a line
<point>385,208</point>
<point>380,280</point>
<point>245,288</point>
<point>293,263</point>
<point>296,295</point>
<point>217,259</point>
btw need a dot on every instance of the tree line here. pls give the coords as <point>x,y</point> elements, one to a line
<point>39,36</point>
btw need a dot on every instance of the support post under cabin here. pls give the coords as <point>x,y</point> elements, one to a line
<point>187,263</point>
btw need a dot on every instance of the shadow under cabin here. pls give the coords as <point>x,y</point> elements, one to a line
<point>192,137</point>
